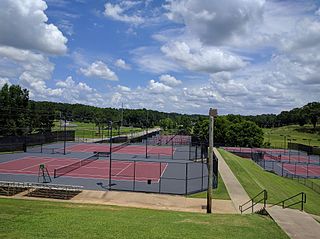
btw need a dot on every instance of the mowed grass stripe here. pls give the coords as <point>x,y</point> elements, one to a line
<point>254,179</point>
<point>42,219</point>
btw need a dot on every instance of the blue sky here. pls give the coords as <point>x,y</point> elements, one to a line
<point>242,57</point>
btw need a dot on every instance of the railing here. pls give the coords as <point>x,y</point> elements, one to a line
<point>252,202</point>
<point>302,201</point>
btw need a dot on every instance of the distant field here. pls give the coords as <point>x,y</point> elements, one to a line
<point>90,130</point>
<point>254,179</point>
<point>42,219</point>
<point>295,134</point>
<point>219,193</point>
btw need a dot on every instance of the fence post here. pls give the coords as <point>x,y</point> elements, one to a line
<point>134,175</point>
<point>202,174</point>
<point>160,179</point>
<point>295,169</point>
<point>186,193</point>
<point>282,168</point>
<point>172,150</point>
<point>307,170</point>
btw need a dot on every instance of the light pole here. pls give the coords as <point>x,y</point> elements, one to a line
<point>284,141</point>
<point>212,114</point>
<point>110,154</point>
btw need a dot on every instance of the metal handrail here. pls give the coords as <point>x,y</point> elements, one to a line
<point>302,201</point>
<point>264,199</point>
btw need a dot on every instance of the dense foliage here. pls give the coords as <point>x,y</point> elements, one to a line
<point>19,116</point>
<point>309,113</point>
<point>230,131</point>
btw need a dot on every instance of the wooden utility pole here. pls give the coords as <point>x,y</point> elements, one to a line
<point>212,114</point>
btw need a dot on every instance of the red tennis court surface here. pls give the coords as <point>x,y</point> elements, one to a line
<point>130,149</point>
<point>302,169</point>
<point>295,158</point>
<point>251,150</point>
<point>99,169</point>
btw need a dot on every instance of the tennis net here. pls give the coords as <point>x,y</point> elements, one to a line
<point>121,146</point>
<point>68,168</point>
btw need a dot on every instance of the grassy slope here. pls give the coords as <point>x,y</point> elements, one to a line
<point>254,179</point>
<point>296,132</point>
<point>219,193</point>
<point>39,219</point>
<point>89,130</point>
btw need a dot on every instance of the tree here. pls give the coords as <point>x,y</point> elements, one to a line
<point>13,110</point>
<point>312,112</point>
<point>244,134</point>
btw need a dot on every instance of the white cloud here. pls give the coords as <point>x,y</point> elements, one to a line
<point>31,69</point>
<point>214,22</point>
<point>122,64</point>
<point>4,80</point>
<point>116,12</point>
<point>202,59</point>
<point>150,60</point>
<point>23,24</point>
<point>169,80</point>
<point>100,70</point>
<point>305,35</point>
<point>80,92</point>
<point>317,12</point>
<point>158,87</point>
<point>123,88</point>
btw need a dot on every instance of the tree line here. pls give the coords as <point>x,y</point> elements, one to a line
<point>19,116</point>
<point>307,114</point>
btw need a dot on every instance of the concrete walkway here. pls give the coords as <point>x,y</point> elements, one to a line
<point>296,224</point>
<point>236,192</point>
<point>152,201</point>
<point>142,200</point>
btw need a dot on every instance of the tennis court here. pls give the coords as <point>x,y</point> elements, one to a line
<point>302,169</point>
<point>128,149</point>
<point>97,169</point>
<point>291,158</point>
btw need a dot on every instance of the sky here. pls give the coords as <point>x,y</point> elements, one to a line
<point>240,56</point>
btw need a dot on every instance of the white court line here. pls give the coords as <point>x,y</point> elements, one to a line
<point>162,172</point>
<point>124,169</point>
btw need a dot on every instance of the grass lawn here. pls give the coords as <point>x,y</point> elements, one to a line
<point>219,193</point>
<point>40,219</point>
<point>254,179</point>
<point>297,134</point>
<point>90,130</point>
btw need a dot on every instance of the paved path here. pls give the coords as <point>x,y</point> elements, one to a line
<point>236,192</point>
<point>143,200</point>
<point>296,224</point>
<point>152,201</point>
<point>129,135</point>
